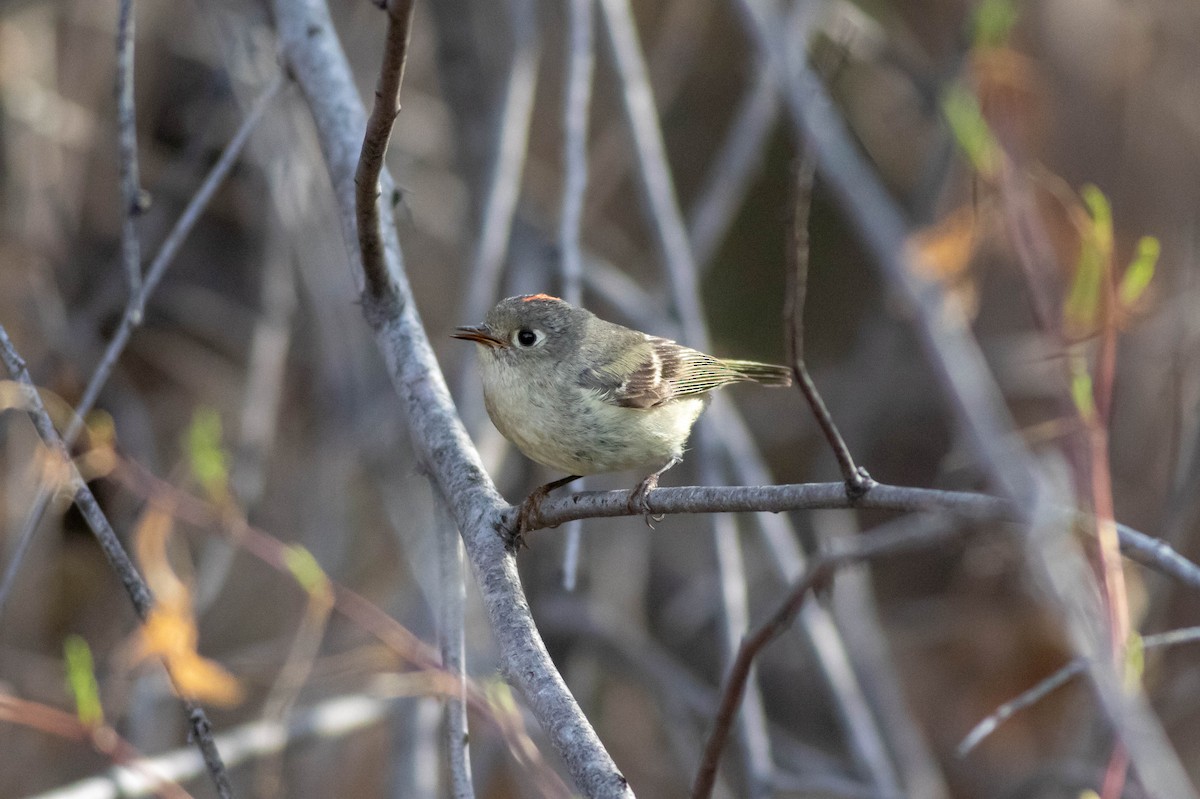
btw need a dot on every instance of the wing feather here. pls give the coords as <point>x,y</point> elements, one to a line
<point>654,371</point>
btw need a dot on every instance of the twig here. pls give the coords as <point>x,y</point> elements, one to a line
<point>580,65</point>
<point>452,595</point>
<point>1059,678</point>
<point>375,144</point>
<point>311,49</point>
<point>858,482</point>
<point>135,586</point>
<point>132,318</point>
<point>820,570</point>
<point>132,201</point>
<point>103,738</point>
<point>333,718</point>
<point>1010,708</point>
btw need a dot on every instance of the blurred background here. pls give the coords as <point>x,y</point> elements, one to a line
<point>251,400</point>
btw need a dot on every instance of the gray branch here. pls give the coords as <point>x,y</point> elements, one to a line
<point>314,54</point>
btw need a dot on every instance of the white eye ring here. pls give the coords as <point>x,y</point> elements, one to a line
<point>528,337</point>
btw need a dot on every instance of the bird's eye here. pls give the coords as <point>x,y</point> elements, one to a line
<point>527,337</point>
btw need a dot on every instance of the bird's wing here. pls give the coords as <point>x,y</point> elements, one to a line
<point>654,371</point>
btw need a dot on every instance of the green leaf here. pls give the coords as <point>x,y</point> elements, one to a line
<point>970,129</point>
<point>992,22</point>
<point>1101,213</point>
<point>206,459</point>
<point>81,681</point>
<point>1081,388</point>
<point>1095,253</point>
<point>305,569</point>
<point>1140,272</point>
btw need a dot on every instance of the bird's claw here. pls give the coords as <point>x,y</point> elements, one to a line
<point>639,501</point>
<point>529,518</point>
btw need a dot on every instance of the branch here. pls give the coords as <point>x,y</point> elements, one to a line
<point>820,571</point>
<point>375,144</point>
<point>311,49</point>
<point>118,558</point>
<point>1059,678</point>
<point>132,200</point>
<point>576,107</point>
<point>1150,552</point>
<point>858,482</point>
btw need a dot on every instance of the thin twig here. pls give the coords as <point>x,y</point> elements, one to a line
<point>820,570</point>
<point>135,586</point>
<point>375,144</point>
<point>452,596</point>
<point>132,201</point>
<point>312,51</point>
<point>576,108</point>
<point>858,482</point>
<point>132,318</point>
<point>1061,677</point>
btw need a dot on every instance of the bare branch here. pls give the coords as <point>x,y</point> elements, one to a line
<point>118,558</point>
<point>452,596</point>
<point>1151,552</point>
<point>132,201</point>
<point>312,50</point>
<point>374,147</point>
<point>820,570</point>
<point>858,482</point>
<point>580,65</point>
<point>1061,677</point>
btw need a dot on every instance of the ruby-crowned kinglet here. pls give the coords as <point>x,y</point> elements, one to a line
<point>585,396</point>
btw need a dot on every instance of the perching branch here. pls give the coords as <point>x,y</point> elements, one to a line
<point>118,558</point>
<point>313,52</point>
<point>1150,552</point>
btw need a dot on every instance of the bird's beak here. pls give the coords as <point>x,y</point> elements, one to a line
<point>480,335</point>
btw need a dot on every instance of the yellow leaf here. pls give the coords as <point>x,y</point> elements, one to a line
<point>170,630</point>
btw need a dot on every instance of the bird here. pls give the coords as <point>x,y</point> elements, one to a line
<point>585,396</point>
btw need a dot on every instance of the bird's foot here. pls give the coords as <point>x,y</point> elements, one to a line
<point>639,500</point>
<point>529,515</point>
<point>529,518</point>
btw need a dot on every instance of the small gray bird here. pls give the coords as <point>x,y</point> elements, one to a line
<point>586,396</point>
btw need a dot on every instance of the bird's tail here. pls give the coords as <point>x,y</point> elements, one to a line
<point>765,373</point>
